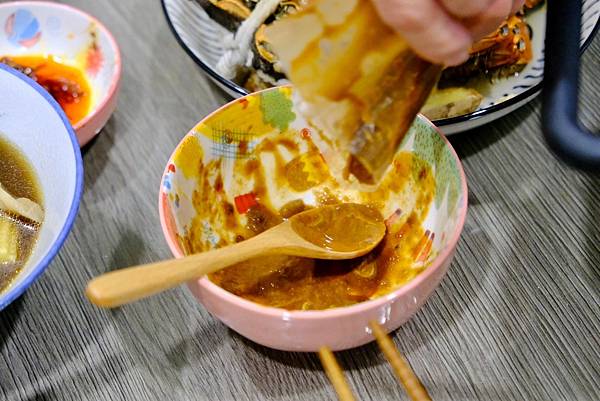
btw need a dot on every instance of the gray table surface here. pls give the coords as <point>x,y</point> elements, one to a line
<point>516,318</point>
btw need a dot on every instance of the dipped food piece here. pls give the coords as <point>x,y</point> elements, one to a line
<point>361,84</point>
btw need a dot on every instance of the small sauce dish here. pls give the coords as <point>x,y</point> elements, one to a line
<point>69,53</point>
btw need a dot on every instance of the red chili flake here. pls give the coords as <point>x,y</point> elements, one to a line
<point>305,133</point>
<point>244,103</point>
<point>245,202</point>
<point>424,247</point>
<point>171,168</point>
<point>94,60</point>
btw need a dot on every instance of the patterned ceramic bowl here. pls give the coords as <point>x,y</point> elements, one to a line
<point>208,169</point>
<point>30,28</point>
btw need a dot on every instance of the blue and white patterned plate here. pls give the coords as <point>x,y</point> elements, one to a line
<point>202,38</point>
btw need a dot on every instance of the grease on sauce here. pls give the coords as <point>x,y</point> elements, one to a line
<point>66,84</point>
<point>347,227</point>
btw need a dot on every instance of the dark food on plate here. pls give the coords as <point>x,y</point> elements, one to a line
<point>67,85</point>
<point>501,54</point>
<point>20,213</point>
<point>231,13</point>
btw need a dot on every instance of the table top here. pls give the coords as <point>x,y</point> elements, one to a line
<point>516,318</point>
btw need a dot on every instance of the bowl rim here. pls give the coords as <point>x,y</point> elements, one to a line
<point>280,313</point>
<point>442,122</point>
<point>14,292</point>
<point>115,77</point>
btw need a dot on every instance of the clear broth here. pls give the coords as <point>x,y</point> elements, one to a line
<point>19,179</point>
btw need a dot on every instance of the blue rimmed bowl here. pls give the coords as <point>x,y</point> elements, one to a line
<point>32,121</point>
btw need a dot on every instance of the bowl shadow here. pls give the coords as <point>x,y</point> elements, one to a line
<point>96,153</point>
<point>9,317</point>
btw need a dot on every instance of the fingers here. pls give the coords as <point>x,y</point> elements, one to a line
<point>517,4</point>
<point>428,28</point>
<point>466,8</point>
<point>442,31</point>
<point>487,22</point>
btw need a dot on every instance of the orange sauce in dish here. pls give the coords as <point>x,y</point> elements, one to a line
<point>67,85</point>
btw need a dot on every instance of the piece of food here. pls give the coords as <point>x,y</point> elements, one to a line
<point>245,51</point>
<point>532,3</point>
<point>20,206</point>
<point>361,84</point>
<point>8,241</point>
<point>20,211</point>
<point>264,60</point>
<point>229,13</point>
<point>451,102</point>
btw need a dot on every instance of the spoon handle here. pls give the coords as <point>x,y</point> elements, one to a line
<point>131,284</point>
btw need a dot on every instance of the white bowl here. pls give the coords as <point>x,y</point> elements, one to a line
<point>32,121</point>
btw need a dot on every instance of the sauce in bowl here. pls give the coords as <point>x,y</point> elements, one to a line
<point>284,176</point>
<point>67,85</point>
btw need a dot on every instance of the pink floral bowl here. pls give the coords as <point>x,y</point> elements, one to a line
<point>29,28</point>
<point>204,171</point>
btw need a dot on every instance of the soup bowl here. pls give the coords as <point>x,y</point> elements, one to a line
<point>199,174</point>
<point>33,28</point>
<point>35,124</point>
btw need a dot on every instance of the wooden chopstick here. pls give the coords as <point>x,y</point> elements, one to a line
<point>407,377</point>
<point>402,369</point>
<point>335,374</point>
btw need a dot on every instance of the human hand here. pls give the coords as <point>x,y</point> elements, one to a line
<point>442,31</point>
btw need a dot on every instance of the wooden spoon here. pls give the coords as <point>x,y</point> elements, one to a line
<point>343,231</point>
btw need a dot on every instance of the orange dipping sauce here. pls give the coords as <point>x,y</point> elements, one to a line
<point>67,85</point>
